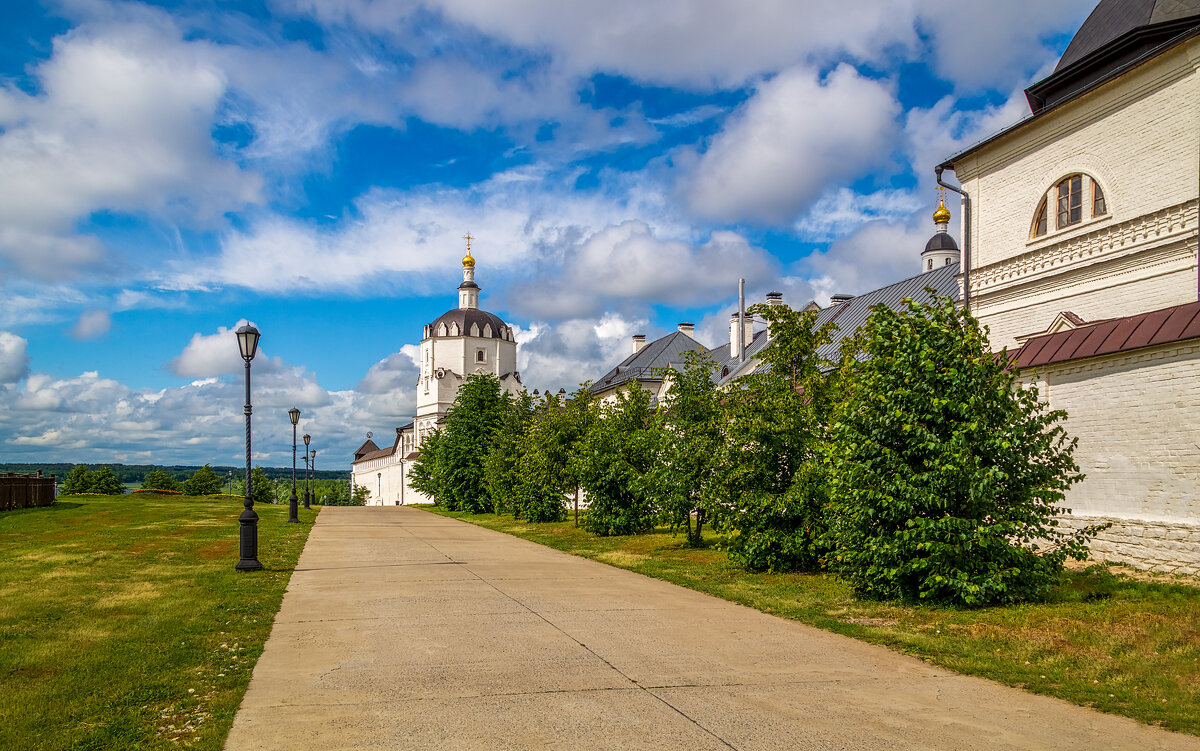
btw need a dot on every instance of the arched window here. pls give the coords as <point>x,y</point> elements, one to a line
<point>479,355</point>
<point>487,331</point>
<point>1039,219</point>
<point>1070,197</point>
<point>474,329</point>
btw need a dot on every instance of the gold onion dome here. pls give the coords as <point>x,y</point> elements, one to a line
<point>942,214</point>
<point>468,260</point>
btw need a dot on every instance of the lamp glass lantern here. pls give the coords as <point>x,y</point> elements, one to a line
<point>247,337</point>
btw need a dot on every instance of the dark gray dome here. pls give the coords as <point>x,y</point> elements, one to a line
<point>1113,19</point>
<point>941,241</point>
<point>464,319</point>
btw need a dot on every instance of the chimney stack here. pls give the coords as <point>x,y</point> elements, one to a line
<point>774,298</point>
<point>838,299</point>
<point>742,318</point>
<point>687,329</point>
<point>639,341</point>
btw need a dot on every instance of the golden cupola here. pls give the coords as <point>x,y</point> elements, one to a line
<point>942,214</point>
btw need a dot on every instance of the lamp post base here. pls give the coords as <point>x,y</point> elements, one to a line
<point>248,542</point>
<point>292,513</point>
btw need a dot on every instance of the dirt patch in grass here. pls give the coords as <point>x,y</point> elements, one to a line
<point>621,559</point>
<point>223,549</point>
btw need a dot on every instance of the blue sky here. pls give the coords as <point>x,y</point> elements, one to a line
<point>170,170</point>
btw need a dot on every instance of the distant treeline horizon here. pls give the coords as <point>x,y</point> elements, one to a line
<point>133,473</point>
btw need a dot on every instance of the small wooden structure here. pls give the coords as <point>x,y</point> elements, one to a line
<point>25,491</point>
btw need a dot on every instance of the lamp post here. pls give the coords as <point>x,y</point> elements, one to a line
<point>231,482</point>
<point>314,475</point>
<point>247,337</point>
<point>307,438</point>
<point>294,416</point>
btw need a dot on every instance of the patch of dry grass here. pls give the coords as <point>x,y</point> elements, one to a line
<point>116,616</point>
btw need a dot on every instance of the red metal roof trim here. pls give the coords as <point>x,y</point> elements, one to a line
<point>1174,324</point>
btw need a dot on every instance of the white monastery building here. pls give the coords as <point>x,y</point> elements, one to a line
<point>459,342</point>
<point>1080,236</point>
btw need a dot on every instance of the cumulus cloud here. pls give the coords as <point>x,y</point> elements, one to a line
<point>567,353</point>
<point>92,324</point>
<point>121,122</point>
<point>393,373</point>
<point>789,141</point>
<point>628,265</point>
<point>979,44</point>
<point>208,355</point>
<point>14,362</point>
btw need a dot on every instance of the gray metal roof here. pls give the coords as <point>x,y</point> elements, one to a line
<point>851,315</point>
<point>660,353</point>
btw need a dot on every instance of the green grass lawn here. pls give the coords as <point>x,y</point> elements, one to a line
<point>123,624</point>
<point>1109,638</point>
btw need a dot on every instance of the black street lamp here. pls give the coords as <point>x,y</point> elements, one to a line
<point>247,337</point>
<point>314,473</point>
<point>307,438</point>
<point>294,416</point>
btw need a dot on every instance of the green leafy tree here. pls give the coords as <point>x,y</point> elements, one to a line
<point>77,481</point>
<point>771,467</point>
<point>452,472</point>
<point>261,488</point>
<point>548,476</point>
<point>159,480</point>
<point>683,481</point>
<point>501,465</point>
<point>203,482</point>
<point>360,496</point>
<point>105,482</point>
<point>610,462</point>
<point>947,472</point>
<point>428,472</point>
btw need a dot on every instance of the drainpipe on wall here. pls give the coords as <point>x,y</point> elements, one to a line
<point>966,236</point>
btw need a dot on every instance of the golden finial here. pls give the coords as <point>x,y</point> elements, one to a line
<point>942,214</point>
<point>467,259</point>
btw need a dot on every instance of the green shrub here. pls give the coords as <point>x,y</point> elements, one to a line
<point>947,472</point>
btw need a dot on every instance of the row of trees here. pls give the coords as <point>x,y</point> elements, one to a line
<point>204,481</point>
<point>916,467</point>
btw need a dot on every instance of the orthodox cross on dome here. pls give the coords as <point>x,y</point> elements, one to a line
<point>468,260</point>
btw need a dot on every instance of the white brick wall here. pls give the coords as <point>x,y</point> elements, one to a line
<point>1137,418</point>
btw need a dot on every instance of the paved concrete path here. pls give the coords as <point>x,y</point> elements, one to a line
<point>405,630</point>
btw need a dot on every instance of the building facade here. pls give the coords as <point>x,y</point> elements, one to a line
<point>458,343</point>
<point>1082,250</point>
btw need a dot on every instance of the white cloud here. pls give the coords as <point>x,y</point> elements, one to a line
<point>14,362</point>
<point>565,354</point>
<point>981,43</point>
<point>841,212</point>
<point>121,123</point>
<point>796,134</point>
<point>208,355</point>
<point>92,324</point>
<point>629,266</point>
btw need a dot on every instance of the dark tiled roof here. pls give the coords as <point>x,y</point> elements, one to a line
<point>1164,326</point>
<point>464,318</point>
<point>367,447</point>
<point>1113,19</point>
<point>641,365</point>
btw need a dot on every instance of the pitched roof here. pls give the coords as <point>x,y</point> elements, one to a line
<point>850,316</point>
<point>641,365</point>
<point>367,447</point>
<point>1113,19</point>
<point>1174,324</point>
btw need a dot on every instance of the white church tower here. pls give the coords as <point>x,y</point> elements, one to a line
<point>459,342</point>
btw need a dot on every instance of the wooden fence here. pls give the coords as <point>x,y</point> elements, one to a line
<point>25,491</point>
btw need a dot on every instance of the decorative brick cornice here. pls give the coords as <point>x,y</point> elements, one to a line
<point>1086,248</point>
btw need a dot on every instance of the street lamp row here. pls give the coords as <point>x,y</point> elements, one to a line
<point>248,337</point>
